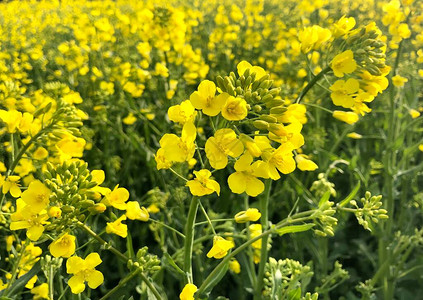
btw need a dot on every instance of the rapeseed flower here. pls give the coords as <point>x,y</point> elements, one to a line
<point>343,63</point>
<point>224,143</point>
<point>63,246</point>
<point>83,270</point>
<point>188,292</point>
<point>220,247</point>
<point>205,99</point>
<point>202,184</point>
<point>244,179</point>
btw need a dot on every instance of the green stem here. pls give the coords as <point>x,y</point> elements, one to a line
<point>168,227</point>
<point>16,267</point>
<point>311,83</point>
<point>121,284</point>
<point>207,217</point>
<point>294,219</point>
<point>189,238</point>
<point>264,207</point>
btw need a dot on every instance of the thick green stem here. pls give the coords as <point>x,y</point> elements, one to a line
<point>122,283</point>
<point>311,83</point>
<point>301,217</point>
<point>264,207</point>
<point>189,238</point>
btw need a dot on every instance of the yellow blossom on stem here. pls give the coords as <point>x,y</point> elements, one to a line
<point>343,26</point>
<point>414,113</point>
<point>224,143</point>
<point>235,109</point>
<point>276,159</point>
<point>345,116</point>
<point>399,81</point>
<point>294,113</point>
<point>202,184</point>
<point>305,164</point>
<point>250,145</point>
<point>40,292</point>
<point>234,266</point>
<point>117,227</point>
<point>182,113</point>
<point>40,153</point>
<point>205,99</point>
<point>244,179</point>
<point>343,92</point>
<point>244,65</point>
<point>11,185</point>
<point>255,230</point>
<point>83,270</point>
<point>117,198</point>
<point>15,120</point>
<point>37,196</point>
<point>251,214</point>
<point>343,63</point>
<point>188,292</point>
<point>177,149</point>
<point>129,119</point>
<point>135,212</point>
<point>64,246</point>
<point>25,218</point>
<point>354,135</point>
<point>220,247</point>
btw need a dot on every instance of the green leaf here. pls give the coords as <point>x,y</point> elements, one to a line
<point>294,228</point>
<point>351,195</point>
<point>20,283</point>
<point>168,260</point>
<point>295,294</point>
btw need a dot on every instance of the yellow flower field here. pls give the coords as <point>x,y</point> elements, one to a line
<point>255,149</point>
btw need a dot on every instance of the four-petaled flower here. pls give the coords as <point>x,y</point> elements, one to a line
<point>83,270</point>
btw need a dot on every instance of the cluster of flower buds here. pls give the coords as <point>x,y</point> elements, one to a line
<point>371,212</point>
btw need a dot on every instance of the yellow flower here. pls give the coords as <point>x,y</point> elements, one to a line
<point>70,146</point>
<point>129,119</point>
<point>255,230</point>
<point>11,185</point>
<point>275,159</point>
<point>343,26</point>
<point>15,120</point>
<point>117,198</point>
<point>177,149</point>
<point>135,212</point>
<point>235,109</point>
<point>234,266</point>
<point>54,212</point>
<point>294,113</point>
<point>305,164</point>
<point>244,179</point>
<point>188,292</point>
<point>344,116</point>
<point>64,246</point>
<point>244,65</point>
<point>414,113</point>
<point>24,218</point>
<point>117,227</point>
<point>224,143</point>
<point>421,147</point>
<point>40,153</point>
<point>205,99</point>
<point>343,63</point>
<point>342,92</point>
<point>220,247</point>
<point>250,145</point>
<point>182,113</point>
<point>399,81</point>
<point>251,214</point>
<point>289,134</point>
<point>83,270</point>
<point>153,208</point>
<point>313,37</point>
<point>37,196</point>
<point>40,292</point>
<point>202,184</point>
